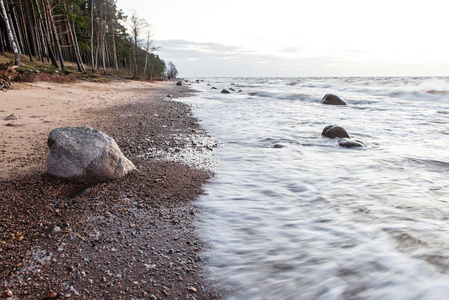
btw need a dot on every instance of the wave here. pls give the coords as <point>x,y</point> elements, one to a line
<point>434,89</point>
<point>284,96</point>
<point>432,164</point>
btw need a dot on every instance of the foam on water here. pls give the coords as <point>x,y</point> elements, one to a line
<point>292,215</point>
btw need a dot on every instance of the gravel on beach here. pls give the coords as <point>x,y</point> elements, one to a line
<point>132,238</point>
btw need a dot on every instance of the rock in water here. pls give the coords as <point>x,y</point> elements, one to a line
<point>335,131</point>
<point>332,99</point>
<point>351,143</point>
<point>85,154</point>
<point>179,83</point>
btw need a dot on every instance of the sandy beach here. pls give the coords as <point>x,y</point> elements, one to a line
<point>132,238</point>
<point>43,106</point>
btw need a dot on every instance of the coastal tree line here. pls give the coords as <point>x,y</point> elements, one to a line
<point>90,33</point>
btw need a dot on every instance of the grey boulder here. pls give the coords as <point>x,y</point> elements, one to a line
<point>85,154</point>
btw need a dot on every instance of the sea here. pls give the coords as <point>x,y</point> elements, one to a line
<point>290,214</point>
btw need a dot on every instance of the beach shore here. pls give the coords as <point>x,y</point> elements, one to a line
<point>133,238</point>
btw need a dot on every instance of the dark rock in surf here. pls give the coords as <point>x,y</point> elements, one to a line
<point>213,88</point>
<point>351,143</point>
<point>331,99</point>
<point>225,91</point>
<point>335,131</point>
<point>179,83</point>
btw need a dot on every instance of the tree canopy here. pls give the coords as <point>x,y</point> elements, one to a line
<point>91,33</point>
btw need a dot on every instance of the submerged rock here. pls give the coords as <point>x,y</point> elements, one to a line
<point>179,83</point>
<point>335,131</point>
<point>332,99</point>
<point>351,143</point>
<point>85,154</point>
<point>224,91</point>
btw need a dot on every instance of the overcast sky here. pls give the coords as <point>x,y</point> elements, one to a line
<point>299,38</point>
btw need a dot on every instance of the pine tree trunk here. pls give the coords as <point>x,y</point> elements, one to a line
<point>77,49</point>
<point>13,31</point>
<point>11,38</point>
<point>135,57</point>
<point>55,36</point>
<point>115,50</point>
<point>16,31</point>
<point>31,34</point>
<point>25,31</point>
<point>92,35</point>
<point>40,43</point>
<point>2,46</point>
<point>44,29</point>
<point>146,55</point>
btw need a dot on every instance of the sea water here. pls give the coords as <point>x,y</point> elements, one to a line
<point>292,215</point>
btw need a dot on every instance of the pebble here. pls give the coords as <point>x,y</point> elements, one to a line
<point>52,295</point>
<point>8,293</point>
<point>107,214</point>
<point>192,289</point>
<point>14,124</point>
<point>12,116</point>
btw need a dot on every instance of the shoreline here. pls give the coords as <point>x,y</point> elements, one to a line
<point>133,237</point>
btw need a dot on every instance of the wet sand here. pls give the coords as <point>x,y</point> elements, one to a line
<point>133,238</point>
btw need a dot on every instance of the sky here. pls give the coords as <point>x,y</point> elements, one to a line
<point>298,38</point>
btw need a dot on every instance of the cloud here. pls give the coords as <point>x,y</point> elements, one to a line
<point>197,47</point>
<point>213,59</point>
<point>204,59</point>
<point>292,49</point>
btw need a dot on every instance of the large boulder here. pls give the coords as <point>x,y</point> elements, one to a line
<point>334,131</point>
<point>85,154</point>
<point>332,99</point>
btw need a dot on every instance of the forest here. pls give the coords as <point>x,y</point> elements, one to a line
<point>91,33</point>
